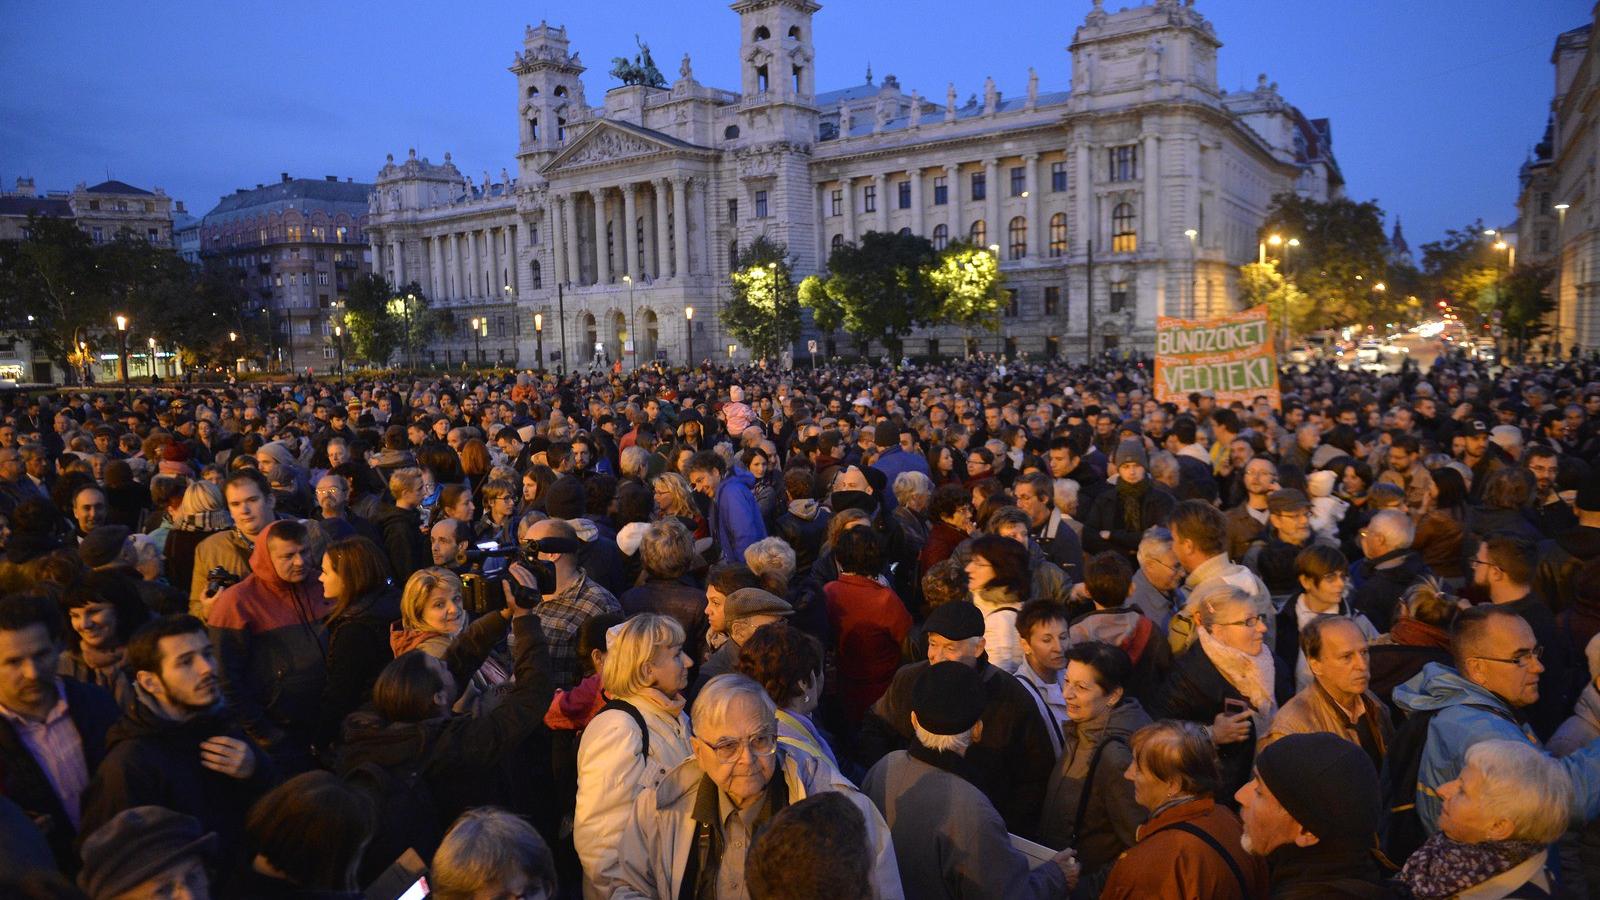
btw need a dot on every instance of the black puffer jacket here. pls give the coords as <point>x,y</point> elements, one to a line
<point>1377,591</point>
<point>403,541</point>
<point>1106,515</point>
<point>358,649</point>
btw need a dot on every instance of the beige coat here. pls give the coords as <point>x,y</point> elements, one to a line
<point>1313,710</point>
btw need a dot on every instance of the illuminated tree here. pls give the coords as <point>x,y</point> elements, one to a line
<point>1264,285</point>
<point>966,281</point>
<point>763,311</point>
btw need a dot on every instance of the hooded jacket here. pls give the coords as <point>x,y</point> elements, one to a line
<point>1468,714</point>
<point>152,760</point>
<point>1111,817</point>
<point>1130,629</point>
<point>271,642</point>
<point>403,540</point>
<point>803,526</point>
<point>735,517</point>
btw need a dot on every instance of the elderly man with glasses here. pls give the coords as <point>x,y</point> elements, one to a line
<point>689,836</point>
<point>1498,662</point>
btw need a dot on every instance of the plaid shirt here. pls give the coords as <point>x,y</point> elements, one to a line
<point>562,614</point>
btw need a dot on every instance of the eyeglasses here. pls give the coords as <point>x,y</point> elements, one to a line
<point>1251,622</point>
<point>762,743</point>
<point>1481,562</point>
<point>328,492</point>
<point>1522,659</point>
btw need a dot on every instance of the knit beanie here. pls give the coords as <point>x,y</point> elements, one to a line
<point>1326,783</point>
<point>1132,450</point>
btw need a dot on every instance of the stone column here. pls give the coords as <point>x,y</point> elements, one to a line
<point>702,218</point>
<point>630,239</point>
<point>569,238</point>
<point>952,179</point>
<point>881,184</point>
<point>492,237</point>
<point>1151,232</point>
<point>514,277</point>
<point>1030,185</point>
<point>476,262</point>
<point>435,269</point>
<point>1083,200</point>
<point>602,259</point>
<point>399,264</point>
<point>995,230</point>
<point>917,225</point>
<point>680,227</point>
<point>849,185</point>
<point>658,229</point>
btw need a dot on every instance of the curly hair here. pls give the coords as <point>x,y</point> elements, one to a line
<point>780,658</point>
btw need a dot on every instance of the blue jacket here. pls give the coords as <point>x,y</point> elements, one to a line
<point>1458,726</point>
<point>735,515</point>
<point>892,463</point>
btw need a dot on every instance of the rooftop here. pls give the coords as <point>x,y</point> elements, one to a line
<point>118,187</point>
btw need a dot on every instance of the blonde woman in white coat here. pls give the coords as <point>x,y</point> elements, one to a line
<point>646,669</point>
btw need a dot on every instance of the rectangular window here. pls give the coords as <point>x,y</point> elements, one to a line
<point>869,198</point>
<point>152,235</point>
<point>1013,303</point>
<point>980,185</point>
<point>322,256</point>
<point>322,279</point>
<point>1119,295</point>
<point>761,204</point>
<point>836,203</point>
<point>904,189</point>
<point>1123,162</point>
<point>99,236</point>
<point>94,204</point>
<point>1052,300</point>
<point>733,212</point>
<point>1019,180</point>
<point>328,352</point>
<point>1543,241</point>
<point>1058,177</point>
<point>941,190</point>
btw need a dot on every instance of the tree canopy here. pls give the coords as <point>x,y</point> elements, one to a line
<point>763,310</point>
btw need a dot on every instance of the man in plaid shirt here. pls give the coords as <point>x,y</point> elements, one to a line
<point>576,600</point>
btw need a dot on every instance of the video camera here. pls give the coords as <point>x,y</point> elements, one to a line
<point>527,556</point>
<point>219,579</point>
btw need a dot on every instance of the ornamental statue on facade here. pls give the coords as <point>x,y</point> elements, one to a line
<point>642,70</point>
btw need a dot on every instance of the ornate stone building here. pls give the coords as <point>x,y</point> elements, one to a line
<point>1558,210</point>
<point>1142,186</point>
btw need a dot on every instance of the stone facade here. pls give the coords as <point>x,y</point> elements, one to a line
<point>621,216</point>
<point>296,247</point>
<point>1558,210</point>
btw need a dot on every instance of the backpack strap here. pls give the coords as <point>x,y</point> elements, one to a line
<point>1140,638</point>
<point>1213,843</point>
<point>638,717</point>
<point>1088,785</point>
<point>1049,717</point>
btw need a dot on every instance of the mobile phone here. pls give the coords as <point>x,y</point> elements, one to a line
<point>406,879</point>
<point>1234,706</point>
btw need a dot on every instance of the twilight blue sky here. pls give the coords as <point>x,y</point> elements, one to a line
<point>1434,103</point>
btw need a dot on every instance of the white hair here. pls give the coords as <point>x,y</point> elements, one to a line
<point>908,486</point>
<point>1524,784</point>
<point>1156,539</point>
<point>953,743</point>
<point>721,694</point>
<point>1064,491</point>
<point>770,555</point>
<point>1395,527</point>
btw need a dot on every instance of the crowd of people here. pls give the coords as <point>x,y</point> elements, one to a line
<point>958,630</point>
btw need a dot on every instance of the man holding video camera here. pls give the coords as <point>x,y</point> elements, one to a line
<point>573,599</point>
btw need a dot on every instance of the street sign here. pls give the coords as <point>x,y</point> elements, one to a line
<point>811,346</point>
<point>628,345</point>
<point>1498,331</point>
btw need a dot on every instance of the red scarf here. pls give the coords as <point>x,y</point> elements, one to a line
<point>1414,633</point>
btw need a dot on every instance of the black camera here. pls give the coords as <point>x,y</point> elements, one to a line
<point>527,556</point>
<point>219,579</point>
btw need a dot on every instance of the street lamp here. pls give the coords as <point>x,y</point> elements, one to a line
<point>152,360</point>
<point>732,349</point>
<point>477,348</point>
<point>1194,273</point>
<point>338,338</point>
<point>538,337</point>
<point>122,330</point>
<point>632,346</point>
<point>688,315</point>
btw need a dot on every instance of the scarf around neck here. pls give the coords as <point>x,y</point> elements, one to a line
<point>1443,867</point>
<point>1251,676</point>
<point>1132,497</point>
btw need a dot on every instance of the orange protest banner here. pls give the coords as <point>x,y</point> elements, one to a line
<point>1232,355</point>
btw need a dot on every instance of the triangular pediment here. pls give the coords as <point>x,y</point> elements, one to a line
<point>610,142</point>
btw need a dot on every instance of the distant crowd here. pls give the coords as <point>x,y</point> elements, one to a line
<point>960,630</point>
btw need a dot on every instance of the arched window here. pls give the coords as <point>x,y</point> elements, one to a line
<point>1123,237</point>
<point>561,90</point>
<point>761,79</point>
<point>533,128</point>
<point>561,129</point>
<point>1017,237</point>
<point>590,334</point>
<point>905,232</point>
<point>533,91</point>
<point>1058,235</point>
<point>941,236</point>
<point>978,234</point>
<point>794,32</point>
<point>536,276</point>
<point>730,133</point>
<point>837,242</point>
<point>762,33</point>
